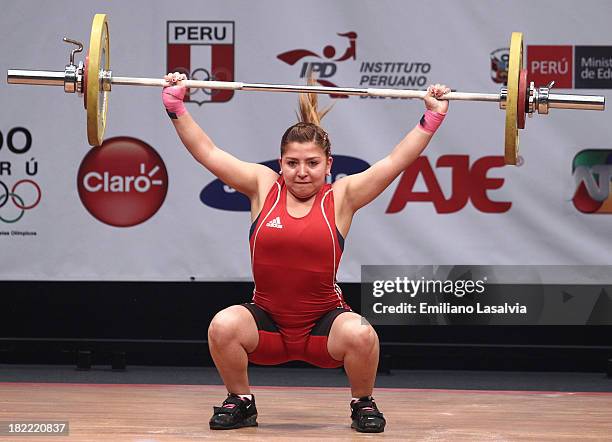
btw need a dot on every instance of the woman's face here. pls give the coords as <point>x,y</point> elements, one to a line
<point>304,167</point>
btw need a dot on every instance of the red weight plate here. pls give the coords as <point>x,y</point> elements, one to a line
<point>522,99</point>
<point>85,80</point>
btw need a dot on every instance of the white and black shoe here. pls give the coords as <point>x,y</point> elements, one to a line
<point>366,416</point>
<point>235,412</point>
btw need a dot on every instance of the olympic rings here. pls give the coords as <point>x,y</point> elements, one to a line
<point>5,196</point>
<point>18,200</point>
<point>207,77</point>
<point>31,206</point>
<point>10,221</point>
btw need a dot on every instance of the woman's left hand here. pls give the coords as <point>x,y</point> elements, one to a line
<point>432,102</point>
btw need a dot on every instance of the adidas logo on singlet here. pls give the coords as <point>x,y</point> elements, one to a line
<point>276,223</point>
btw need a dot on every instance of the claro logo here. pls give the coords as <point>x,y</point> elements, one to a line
<point>123,182</point>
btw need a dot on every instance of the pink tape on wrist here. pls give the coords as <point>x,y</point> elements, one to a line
<point>172,97</point>
<point>431,121</point>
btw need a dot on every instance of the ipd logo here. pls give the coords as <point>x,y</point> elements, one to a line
<point>323,70</point>
<point>592,171</point>
<point>123,182</point>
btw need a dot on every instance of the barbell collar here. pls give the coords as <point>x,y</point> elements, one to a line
<point>542,100</point>
<point>503,98</point>
<point>532,100</point>
<point>79,80</point>
<point>79,48</point>
<point>106,78</point>
<point>71,74</point>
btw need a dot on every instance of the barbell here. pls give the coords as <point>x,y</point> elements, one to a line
<point>93,80</point>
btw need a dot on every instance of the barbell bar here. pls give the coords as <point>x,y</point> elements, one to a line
<point>94,79</point>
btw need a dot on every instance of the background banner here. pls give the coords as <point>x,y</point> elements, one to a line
<point>143,209</point>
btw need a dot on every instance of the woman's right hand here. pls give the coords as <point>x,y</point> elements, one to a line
<point>174,94</point>
<point>174,77</point>
<point>433,101</point>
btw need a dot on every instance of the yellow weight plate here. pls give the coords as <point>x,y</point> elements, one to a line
<point>515,64</point>
<point>97,97</point>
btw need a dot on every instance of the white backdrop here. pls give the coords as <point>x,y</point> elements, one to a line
<point>187,238</point>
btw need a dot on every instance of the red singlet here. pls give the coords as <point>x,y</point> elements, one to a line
<point>294,262</point>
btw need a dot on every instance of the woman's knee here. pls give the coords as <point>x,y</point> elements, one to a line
<point>361,336</point>
<point>353,333</point>
<point>231,324</point>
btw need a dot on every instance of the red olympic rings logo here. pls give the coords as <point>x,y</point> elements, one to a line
<point>17,199</point>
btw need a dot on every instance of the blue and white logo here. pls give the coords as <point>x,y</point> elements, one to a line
<point>219,195</point>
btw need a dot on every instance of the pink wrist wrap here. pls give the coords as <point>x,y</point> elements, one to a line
<point>173,96</point>
<point>431,121</point>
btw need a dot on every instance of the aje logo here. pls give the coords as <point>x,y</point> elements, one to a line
<point>123,182</point>
<point>468,183</point>
<point>592,171</point>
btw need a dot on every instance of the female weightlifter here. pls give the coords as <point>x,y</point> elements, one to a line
<point>299,224</point>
